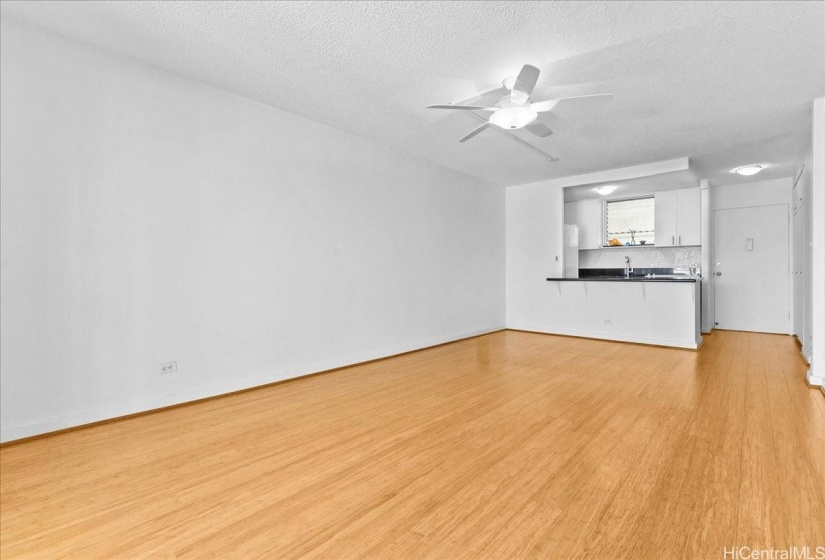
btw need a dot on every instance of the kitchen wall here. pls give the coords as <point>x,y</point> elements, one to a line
<point>643,257</point>
<point>148,218</point>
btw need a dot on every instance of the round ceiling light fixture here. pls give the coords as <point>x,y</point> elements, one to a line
<point>748,169</point>
<point>513,117</point>
<point>606,189</point>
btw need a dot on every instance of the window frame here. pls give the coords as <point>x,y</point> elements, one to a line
<point>605,202</point>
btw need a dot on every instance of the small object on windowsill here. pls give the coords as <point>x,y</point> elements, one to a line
<point>642,241</point>
<point>608,245</point>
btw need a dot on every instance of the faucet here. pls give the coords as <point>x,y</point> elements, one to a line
<point>627,269</point>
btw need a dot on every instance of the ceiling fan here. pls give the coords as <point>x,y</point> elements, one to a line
<point>515,110</point>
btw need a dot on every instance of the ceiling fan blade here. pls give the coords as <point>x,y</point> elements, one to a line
<point>474,132</point>
<point>589,100</point>
<point>462,107</point>
<point>527,78</point>
<point>524,84</point>
<point>539,129</point>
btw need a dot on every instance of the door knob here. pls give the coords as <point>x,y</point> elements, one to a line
<point>718,274</point>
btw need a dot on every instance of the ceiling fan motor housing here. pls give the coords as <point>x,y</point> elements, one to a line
<point>513,117</point>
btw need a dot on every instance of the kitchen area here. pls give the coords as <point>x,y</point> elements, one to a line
<point>631,265</point>
<point>653,254</point>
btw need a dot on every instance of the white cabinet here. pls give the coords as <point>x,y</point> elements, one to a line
<point>664,219</point>
<point>589,214</point>
<point>677,217</point>
<point>688,211</point>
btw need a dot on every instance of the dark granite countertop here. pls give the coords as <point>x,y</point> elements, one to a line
<point>638,275</point>
<point>623,279</point>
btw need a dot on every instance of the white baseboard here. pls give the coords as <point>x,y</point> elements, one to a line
<point>690,345</point>
<point>126,408</point>
<point>806,354</point>
<point>815,380</point>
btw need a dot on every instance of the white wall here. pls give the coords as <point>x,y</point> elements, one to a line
<point>753,193</point>
<point>535,216</point>
<point>148,218</point>
<point>816,375</point>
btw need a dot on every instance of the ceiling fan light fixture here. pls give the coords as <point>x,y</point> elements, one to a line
<point>508,83</point>
<point>513,117</point>
<point>605,190</point>
<point>748,170</point>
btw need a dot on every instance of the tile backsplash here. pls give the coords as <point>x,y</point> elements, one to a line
<point>648,257</point>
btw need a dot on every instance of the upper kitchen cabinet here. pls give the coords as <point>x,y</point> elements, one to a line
<point>688,217</point>
<point>677,217</point>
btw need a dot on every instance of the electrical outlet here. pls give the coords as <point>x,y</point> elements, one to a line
<point>169,367</point>
<point>608,321</point>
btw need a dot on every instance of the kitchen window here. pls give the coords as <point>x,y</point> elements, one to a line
<point>629,222</point>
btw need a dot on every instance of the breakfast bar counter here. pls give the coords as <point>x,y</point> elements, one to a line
<point>660,311</point>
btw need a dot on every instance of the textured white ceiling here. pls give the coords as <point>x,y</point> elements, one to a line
<point>723,83</point>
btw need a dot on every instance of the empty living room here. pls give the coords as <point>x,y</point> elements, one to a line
<point>412,280</point>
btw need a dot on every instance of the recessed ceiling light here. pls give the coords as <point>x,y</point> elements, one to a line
<point>748,169</point>
<point>606,189</point>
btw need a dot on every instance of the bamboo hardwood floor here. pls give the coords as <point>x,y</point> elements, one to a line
<point>510,445</point>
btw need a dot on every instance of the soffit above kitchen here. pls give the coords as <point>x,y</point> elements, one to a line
<point>725,84</point>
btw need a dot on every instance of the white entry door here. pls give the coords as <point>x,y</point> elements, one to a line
<point>750,257</point>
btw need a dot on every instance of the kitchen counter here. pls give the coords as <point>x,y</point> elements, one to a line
<point>602,303</point>
<point>623,279</point>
